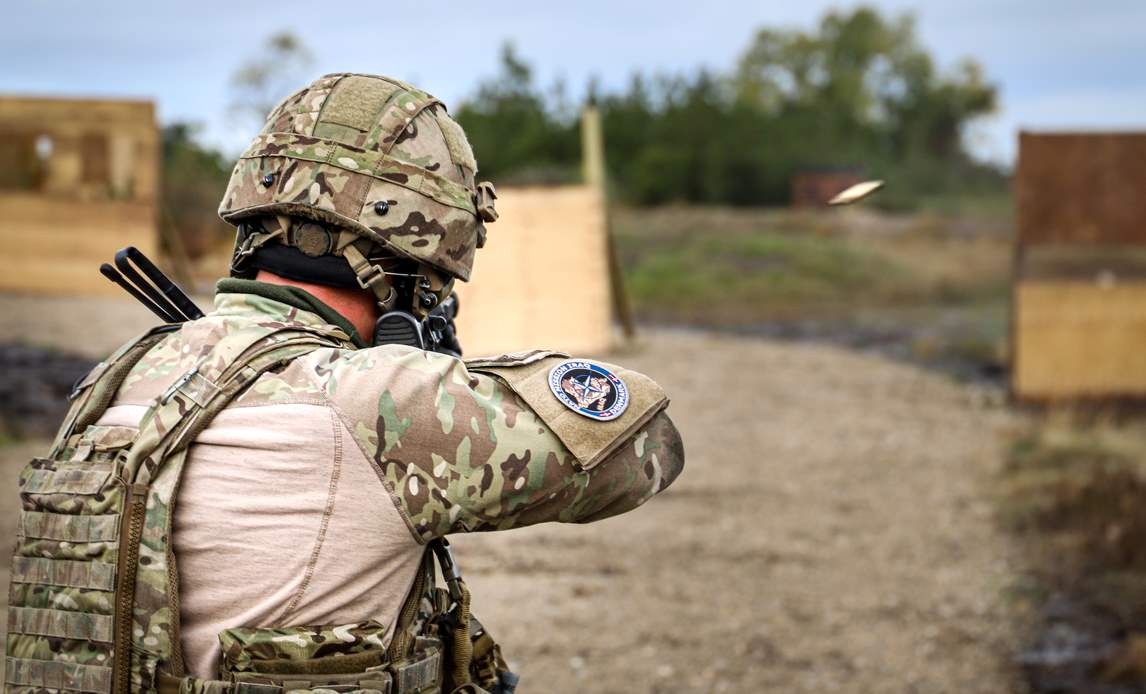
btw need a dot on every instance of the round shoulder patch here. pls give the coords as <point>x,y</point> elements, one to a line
<point>589,389</point>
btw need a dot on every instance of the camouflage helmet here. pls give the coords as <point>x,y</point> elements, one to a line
<point>372,163</point>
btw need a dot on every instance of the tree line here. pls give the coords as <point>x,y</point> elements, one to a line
<point>858,91</point>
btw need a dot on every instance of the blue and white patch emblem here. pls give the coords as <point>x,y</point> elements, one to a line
<point>589,389</point>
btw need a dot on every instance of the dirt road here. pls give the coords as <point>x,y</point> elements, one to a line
<point>830,533</point>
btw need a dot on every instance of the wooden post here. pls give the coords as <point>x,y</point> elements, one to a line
<point>593,171</point>
<point>592,148</point>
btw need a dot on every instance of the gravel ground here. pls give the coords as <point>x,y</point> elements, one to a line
<point>831,532</point>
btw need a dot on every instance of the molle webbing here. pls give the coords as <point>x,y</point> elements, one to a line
<point>62,572</point>
<point>57,675</point>
<point>52,526</point>
<point>62,624</point>
<point>67,481</point>
<point>167,684</point>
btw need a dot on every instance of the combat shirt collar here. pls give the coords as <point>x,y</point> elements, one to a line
<point>286,303</point>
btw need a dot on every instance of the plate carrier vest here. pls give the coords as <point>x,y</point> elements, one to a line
<point>94,601</point>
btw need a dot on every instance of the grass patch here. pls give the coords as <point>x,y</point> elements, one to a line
<point>925,288</point>
<point>1075,498</point>
<point>1079,490</point>
<point>997,207</point>
<point>727,278</point>
<point>719,266</point>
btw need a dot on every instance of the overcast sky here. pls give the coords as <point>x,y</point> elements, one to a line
<point>1058,63</point>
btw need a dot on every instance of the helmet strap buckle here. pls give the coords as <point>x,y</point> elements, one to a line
<point>252,242</point>
<point>485,197</point>
<point>371,277</point>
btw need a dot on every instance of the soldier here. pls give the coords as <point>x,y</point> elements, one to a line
<point>313,464</point>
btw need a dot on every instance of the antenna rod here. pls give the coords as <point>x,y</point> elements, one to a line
<point>109,272</point>
<point>171,290</point>
<point>124,265</point>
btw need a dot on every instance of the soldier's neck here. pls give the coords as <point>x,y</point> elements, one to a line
<point>356,305</point>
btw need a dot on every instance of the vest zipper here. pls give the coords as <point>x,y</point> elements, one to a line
<point>128,564</point>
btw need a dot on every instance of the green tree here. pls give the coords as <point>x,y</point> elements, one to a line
<point>859,89</point>
<point>517,134</point>
<point>194,178</point>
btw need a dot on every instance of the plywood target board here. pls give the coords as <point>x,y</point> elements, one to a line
<point>1081,211</point>
<point>542,279</point>
<point>1080,340</point>
<point>79,179</point>
<point>55,246</point>
<point>1081,188</point>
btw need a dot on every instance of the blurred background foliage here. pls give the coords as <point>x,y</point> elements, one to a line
<point>194,178</point>
<point>859,91</point>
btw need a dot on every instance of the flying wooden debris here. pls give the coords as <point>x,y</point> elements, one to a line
<point>856,193</point>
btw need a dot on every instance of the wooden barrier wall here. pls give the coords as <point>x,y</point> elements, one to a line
<point>1080,340</point>
<point>542,279</point>
<point>1081,188</point>
<point>80,181</point>
<point>51,245</point>
<point>1078,318</point>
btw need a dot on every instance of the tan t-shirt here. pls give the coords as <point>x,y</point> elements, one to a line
<point>282,521</point>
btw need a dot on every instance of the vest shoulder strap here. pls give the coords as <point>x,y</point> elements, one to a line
<point>147,632</point>
<point>92,395</point>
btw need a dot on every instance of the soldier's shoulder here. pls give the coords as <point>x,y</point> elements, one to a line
<point>358,379</point>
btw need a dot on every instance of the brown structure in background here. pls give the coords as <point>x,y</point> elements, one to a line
<point>1078,319</point>
<point>542,279</point>
<point>79,179</point>
<point>814,187</point>
<point>547,276</point>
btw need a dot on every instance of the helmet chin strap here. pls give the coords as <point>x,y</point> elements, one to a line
<point>405,297</point>
<point>414,327</point>
<point>370,276</point>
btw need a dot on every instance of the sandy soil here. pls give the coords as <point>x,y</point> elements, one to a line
<point>830,533</point>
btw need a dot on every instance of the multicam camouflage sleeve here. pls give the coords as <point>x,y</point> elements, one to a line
<point>489,445</point>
